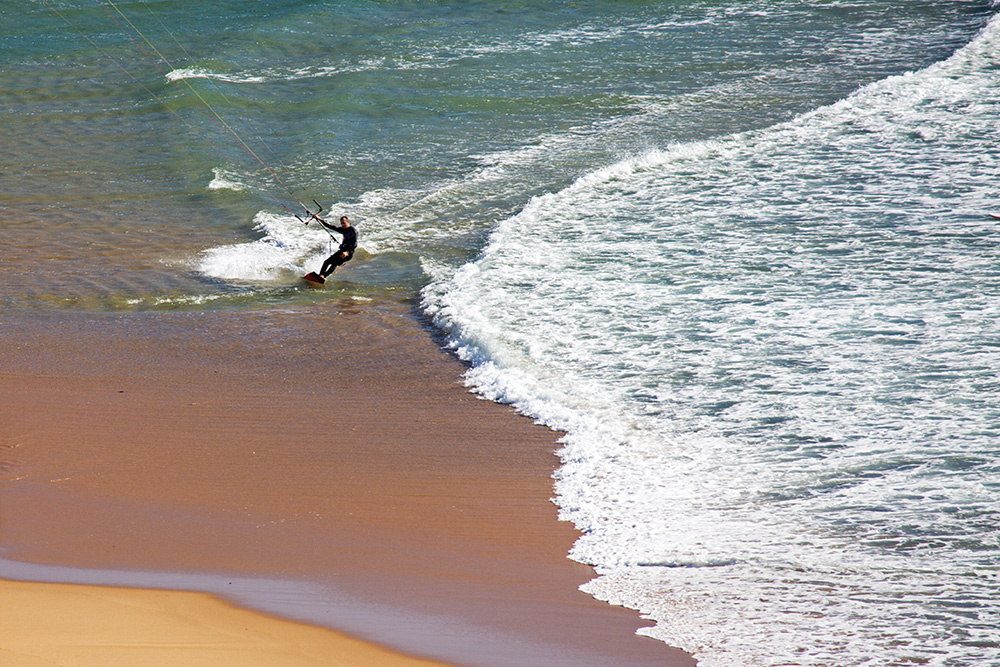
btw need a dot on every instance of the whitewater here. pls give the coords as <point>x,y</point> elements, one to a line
<point>773,355</point>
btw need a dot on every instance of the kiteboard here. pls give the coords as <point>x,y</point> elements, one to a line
<point>995,216</point>
<point>313,277</point>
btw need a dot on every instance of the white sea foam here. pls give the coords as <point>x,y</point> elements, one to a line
<point>773,356</point>
<point>202,73</point>
<point>225,181</point>
<point>286,245</point>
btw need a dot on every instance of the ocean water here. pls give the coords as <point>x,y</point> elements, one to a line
<point>739,252</point>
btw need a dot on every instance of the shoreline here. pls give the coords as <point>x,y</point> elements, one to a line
<point>330,445</point>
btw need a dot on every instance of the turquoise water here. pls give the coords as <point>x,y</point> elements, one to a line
<point>740,252</point>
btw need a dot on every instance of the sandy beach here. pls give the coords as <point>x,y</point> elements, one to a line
<point>330,448</point>
<point>94,626</point>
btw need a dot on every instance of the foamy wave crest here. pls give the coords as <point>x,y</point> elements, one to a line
<point>269,75</point>
<point>772,354</point>
<point>287,246</point>
<point>202,73</point>
<point>224,181</point>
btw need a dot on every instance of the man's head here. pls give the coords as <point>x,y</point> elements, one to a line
<point>344,222</point>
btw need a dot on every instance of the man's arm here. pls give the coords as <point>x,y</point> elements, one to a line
<point>327,225</point>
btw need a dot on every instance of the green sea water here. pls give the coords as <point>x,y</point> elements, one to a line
<point>428,121</point>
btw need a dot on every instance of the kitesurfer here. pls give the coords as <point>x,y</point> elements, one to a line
<point>345,252</point>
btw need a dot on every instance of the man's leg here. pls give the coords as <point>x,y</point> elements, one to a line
<point>331,263</point>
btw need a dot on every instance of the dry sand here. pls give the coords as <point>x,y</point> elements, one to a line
<point>331,446</point>
<point>92,626</point>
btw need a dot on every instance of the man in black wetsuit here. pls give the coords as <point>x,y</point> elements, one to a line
<point>346,250</point>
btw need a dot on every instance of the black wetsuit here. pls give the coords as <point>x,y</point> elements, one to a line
<point>344,253</point>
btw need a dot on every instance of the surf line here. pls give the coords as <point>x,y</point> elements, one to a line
<point>200,103</point>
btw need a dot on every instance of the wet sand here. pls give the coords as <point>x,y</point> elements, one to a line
<point>327,451</point>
